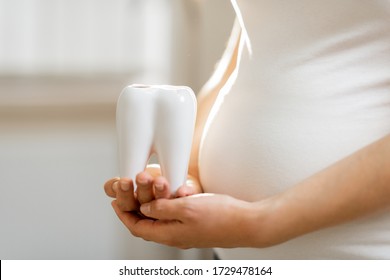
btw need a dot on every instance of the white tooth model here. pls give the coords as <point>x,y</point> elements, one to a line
<point>160,120</point>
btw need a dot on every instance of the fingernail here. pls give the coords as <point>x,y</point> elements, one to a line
<point>115,186</point>
<point>142,181</point>
<point>159,187</point>
<point>125,186</point>
<point>145,208</point>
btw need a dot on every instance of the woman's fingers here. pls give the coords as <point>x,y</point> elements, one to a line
<point>185,191</point>
<point>150,186</point>
<point>191,187</point>
<point>144,182</point>
<point>125,198</point>
<point>161,188</point>
<point>108,187</point>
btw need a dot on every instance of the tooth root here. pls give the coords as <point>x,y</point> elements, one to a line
<point>174,136</point>
<point>135,131</point>
<point>159,119</point>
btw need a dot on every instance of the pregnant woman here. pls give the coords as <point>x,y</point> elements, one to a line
<point>291,152</point>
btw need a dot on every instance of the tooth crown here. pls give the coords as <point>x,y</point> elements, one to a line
<point>156,119</point>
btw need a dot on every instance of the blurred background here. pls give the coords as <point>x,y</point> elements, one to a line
<point>63,63</point>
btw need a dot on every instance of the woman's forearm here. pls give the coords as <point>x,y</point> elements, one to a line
<point>351,188</point>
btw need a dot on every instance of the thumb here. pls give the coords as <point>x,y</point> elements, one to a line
<point>162,209</point>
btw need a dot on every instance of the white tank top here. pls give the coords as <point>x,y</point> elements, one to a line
<point>313,86</point>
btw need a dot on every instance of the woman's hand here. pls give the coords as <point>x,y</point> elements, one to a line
<point>150,185</point>
<point>201,221</point>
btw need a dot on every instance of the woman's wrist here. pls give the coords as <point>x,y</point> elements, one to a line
<point>271,223</point>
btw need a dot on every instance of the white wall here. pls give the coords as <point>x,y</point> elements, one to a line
<point>59,80</point>
<point>79,36</point>
<point>200,32</point>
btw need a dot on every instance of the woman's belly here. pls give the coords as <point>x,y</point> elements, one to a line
<point>316,89</point>
<point>269,135</point>
<point>309,95</point>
